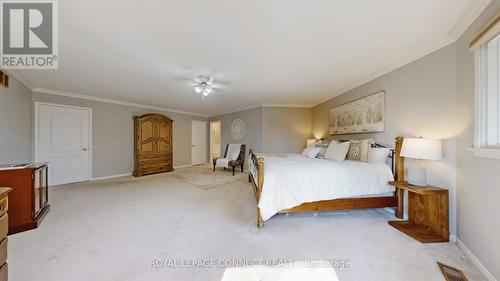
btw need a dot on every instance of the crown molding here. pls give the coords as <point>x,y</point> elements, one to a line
<point>455,33</point>
<point>104,100</point>
<point>286,105</point>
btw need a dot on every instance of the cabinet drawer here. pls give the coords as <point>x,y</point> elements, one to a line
<point>4,206</point>
<point>4,225</point>
<point>154,168</point>
<point>4,272</point>
<point>3,251</point>
<point>154,160</point>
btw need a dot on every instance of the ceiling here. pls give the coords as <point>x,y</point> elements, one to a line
<point>281,52</point>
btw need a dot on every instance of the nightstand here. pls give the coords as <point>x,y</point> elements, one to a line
<point>427,213</point>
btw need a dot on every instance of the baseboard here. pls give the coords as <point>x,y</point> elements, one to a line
<point>183,166</point>
<point>475,260</point>
<point>110,177</point>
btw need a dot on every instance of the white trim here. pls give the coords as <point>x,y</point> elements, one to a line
<point>475,260</point>
<point>35,137</point>
<point>287,105</point>
<point>111,177</point>
<point>132,104</point>
<point>235,111</point>
<point>183,166</point>
<point>485,152</point>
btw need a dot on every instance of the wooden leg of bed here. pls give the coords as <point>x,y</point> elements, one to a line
<point>260,222</point>
<point>242,167</point>
<point>249,178</point>
<point>399,209</point>
<point>214,167</point>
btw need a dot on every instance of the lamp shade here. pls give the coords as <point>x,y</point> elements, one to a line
<point>420,148</point>
<point>310,141</point>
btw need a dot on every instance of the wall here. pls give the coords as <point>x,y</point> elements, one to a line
<point>285,129</point>
<point>113,142</point>
<point>15,123</point>
<point>478,181</point>
<point>420,101</point>
<point>269,129</point>
<point>253,124</point>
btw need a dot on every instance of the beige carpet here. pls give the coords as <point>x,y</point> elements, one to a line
<point>132,229</point>
<point>203,176</point>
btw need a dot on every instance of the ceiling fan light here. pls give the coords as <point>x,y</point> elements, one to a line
<point>206,91</point>
<point>198,89</point>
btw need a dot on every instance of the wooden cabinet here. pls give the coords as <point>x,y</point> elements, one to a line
<point>153,144</point>
<point>4,228</point>
<point>427,213</point>
<point>28,201</point>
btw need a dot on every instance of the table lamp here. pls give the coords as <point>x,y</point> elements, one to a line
<point>310,141</point>
<point>424,149</point>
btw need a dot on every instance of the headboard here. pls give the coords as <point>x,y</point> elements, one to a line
<point>394,155</point>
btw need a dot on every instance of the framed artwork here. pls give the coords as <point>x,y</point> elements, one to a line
<point>365,115</point>
<point>238,129</point>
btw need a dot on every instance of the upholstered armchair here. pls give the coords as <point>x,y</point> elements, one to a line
<point>234,155</point>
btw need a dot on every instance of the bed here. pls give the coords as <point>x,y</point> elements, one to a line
<point>290,183</point>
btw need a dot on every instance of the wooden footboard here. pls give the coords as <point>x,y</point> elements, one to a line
<point>256,177</point>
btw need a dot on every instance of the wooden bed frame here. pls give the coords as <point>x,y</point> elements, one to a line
<point>337,204</point>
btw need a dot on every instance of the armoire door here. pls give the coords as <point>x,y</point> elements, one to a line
<point>164,141</point>
<point>146,137</point>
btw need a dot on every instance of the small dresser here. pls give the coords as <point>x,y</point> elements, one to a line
<point>4,229</point>
<point>152,144</point>
<point>29,196</point>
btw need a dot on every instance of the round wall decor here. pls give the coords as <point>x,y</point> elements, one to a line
<point>238,129</point>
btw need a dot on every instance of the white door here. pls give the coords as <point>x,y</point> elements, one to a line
<point>215,139</point>
<point>198,142</point>
<point>62,138</point>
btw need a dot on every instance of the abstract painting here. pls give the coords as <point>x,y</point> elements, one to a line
<point>365,115</point>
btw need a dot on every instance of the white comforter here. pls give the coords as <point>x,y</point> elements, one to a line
<point>291,179</point>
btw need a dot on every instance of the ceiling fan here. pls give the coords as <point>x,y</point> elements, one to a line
<point>204,85</point>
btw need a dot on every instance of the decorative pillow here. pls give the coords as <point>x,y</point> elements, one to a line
<point>358,150</point>
<point>311,151</point>
<point>323,146</point>
<point>378,154</point>
<point>354,152</point>
<point>337,151</point>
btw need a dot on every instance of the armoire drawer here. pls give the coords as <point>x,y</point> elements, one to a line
<point>154,168</point>
<point>154,160</point>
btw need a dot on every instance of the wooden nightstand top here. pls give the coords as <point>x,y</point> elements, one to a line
<point>423,190</point>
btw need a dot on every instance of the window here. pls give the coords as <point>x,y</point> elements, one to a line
<point>487,126</point>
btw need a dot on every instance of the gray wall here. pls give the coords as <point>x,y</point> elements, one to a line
<point>285,129</point>
<point>269,129</point>
<point>15,123</point>
<point>253,124</point>
<point>113,142</point>
<point>478,179</point>
<point>420,101</point>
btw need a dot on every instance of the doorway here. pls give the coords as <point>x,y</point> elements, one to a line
<point>198,142</point>
<point>63,139</point>
<point>215,141</point>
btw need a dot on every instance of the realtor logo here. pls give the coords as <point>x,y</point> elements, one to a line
<point>29,35</point>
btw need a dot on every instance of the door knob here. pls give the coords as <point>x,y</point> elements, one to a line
<point>192,145</point>
<point>84,149</point>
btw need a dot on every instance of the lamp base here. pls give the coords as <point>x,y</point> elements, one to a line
<point>417,175</point>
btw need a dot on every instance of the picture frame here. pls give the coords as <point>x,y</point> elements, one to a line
<point>363,115</point>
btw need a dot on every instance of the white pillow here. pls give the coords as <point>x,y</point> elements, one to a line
<point>337,151</point>
<point>311,151</point>
<point>378,154</point>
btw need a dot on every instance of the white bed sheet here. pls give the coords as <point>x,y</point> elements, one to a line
<point>291,179</point>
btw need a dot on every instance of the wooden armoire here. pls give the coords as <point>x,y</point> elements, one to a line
<point>153,144</point>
